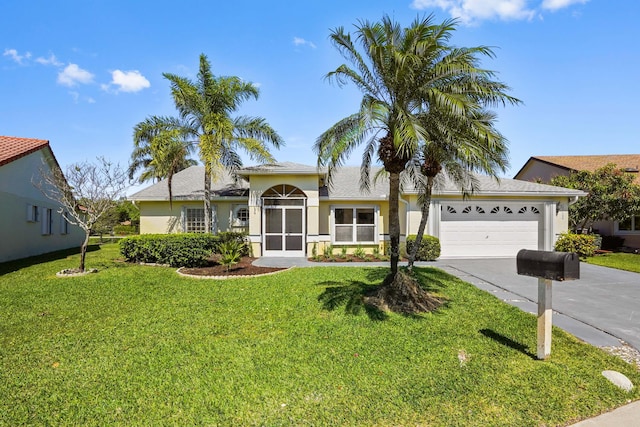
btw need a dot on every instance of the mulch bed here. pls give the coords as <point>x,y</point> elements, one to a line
<point>242,268</point>
<point>349,258</point>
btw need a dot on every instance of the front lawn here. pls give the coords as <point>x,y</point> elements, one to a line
<point>621,261</point>
<point>140,345</point>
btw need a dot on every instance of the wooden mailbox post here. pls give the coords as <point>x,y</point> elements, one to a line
<point>547,266</point>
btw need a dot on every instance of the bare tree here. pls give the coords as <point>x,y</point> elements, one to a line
<point>86,191</point>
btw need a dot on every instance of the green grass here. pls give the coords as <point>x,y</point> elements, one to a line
<point>621,261</point>
<point>136,345</point>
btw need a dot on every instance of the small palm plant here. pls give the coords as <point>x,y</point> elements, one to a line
<point>230,253</point>
<point>359,252</point>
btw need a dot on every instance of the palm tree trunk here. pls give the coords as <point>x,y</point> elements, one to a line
<point>207,200</point>
<point>424,217</point>
<point>394,220</point>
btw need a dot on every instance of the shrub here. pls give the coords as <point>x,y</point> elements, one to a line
<point>359,252</point>
<point>230,253</point>
<point>241,238</point>
<point>177,250</point>
<point>429,247</point>
<point>343,252</point>
<point>327,251</point>
<point>582,244</point>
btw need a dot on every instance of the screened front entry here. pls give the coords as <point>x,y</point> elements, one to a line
<point>284,221</point>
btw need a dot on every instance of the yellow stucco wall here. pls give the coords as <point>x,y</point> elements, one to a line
<point>156,217</point>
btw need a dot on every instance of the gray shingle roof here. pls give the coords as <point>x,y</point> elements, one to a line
<point>346,185</point>
<point>188,185</point>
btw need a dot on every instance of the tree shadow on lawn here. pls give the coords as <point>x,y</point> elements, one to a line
<point>353,294</point>
<point>504,340</point>
<point>19,264</point>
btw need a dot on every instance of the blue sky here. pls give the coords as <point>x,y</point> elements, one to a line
<point>81,74</point>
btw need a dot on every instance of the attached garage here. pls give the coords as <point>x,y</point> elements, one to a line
<point>490,229</point>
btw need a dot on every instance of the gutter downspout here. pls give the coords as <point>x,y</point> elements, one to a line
<point>407,224</point>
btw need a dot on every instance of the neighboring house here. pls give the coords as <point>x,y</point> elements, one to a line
<point>544,168</point>
<point>287,210</point>
<point>30,223</point>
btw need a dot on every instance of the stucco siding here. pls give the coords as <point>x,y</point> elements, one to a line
<point>159,218</point>
<point>539,171</point>
<point>19,237</point>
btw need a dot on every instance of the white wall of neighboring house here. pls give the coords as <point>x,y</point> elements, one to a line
<point>30,223</point>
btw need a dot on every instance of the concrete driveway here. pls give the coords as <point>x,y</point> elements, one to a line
<point>600,308</point>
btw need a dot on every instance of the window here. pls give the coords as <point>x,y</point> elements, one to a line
<point>32,213</point>
<point>64,225</point>
<point>47,218</point>
<point>243,214</point>
<point>194,220</point>
<point>240,216</point>
<point>630,224</point>
<point>354,225</point>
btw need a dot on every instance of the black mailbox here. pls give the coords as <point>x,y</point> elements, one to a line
<point>548,265</point>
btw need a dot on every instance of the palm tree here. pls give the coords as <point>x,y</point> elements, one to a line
<point>204,121</point>
<point>160,152</point>
<point>455,151</point>
<point>387,73</point>
<point>409,77</point>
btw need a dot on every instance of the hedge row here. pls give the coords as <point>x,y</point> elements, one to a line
<point>177,250</point>
<point>429,247</point>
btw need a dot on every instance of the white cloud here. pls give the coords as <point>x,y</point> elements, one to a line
<point>13,54</point>
<point>471,11</point>
<point>51,60</point>
<point>73,75</point>
<point>299,41</point>
<point>560,4</point>
<point>127,81</point>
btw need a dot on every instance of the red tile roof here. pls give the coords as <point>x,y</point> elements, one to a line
<point>13,148</point>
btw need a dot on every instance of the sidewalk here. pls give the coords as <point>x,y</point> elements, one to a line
<point>624,416</point>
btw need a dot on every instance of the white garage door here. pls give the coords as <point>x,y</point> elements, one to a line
<point>489,229</point>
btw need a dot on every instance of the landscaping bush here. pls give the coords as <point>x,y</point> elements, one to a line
<point>582,244</point>
<point>241,238</point>
<point>429,247</point>
<point>230,253</point>
<point>177,250</point>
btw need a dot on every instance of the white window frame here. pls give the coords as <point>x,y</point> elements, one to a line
<point>214,218</point>
<point>635,226</point>
<point>32,213</point>
<point>235,219</point>
<point>64,225</point>
<point>354,225</point>
<point>47,221</point>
